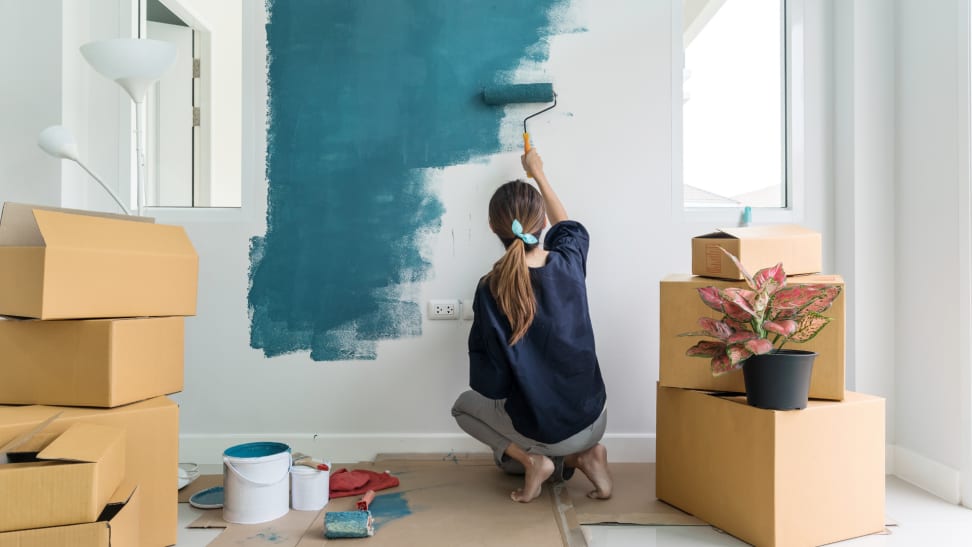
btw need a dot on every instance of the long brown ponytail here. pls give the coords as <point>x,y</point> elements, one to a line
<point>509,280</point>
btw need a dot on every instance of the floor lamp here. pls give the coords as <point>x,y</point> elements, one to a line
<point>134,64</point>
<point>57,141</point>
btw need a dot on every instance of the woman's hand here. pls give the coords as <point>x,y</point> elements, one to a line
<point>532,163</point>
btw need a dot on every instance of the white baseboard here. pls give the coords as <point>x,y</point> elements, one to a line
<point>208,449</point>
<point>926,473</point>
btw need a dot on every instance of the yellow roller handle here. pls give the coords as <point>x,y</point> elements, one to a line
<point>526,147</point>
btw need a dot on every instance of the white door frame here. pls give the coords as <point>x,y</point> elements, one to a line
<point>964,184</point>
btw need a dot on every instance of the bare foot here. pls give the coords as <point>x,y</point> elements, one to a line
<point>539,470</point>
<point>593,463</point>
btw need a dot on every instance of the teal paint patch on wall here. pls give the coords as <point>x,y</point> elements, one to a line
<point>362,95</point>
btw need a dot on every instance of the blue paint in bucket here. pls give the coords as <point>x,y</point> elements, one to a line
<point>256,450</point>
<point>256,482</point>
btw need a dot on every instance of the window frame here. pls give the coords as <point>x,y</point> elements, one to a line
<point>795,122</point>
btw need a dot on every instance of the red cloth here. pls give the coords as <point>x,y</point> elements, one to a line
<point>358,481</point>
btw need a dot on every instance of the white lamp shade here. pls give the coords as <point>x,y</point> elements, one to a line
<point>57,141</point>
<point>134,63</point>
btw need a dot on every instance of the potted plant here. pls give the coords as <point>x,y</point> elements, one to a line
<point>755,325</point>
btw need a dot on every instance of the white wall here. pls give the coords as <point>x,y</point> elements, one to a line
<point>31,80</point>
<point>932,176</point>
<point>95,109</point>
<point>864,190</point>
<point>611,184</point>
<point>621,187</point>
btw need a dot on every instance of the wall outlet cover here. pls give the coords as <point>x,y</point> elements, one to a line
<point>443,309</point>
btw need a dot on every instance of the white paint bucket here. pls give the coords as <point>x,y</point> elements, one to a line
<point>255,482</point>
<point>309,488</point>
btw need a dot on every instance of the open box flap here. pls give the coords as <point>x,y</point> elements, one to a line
<point>83,442</point>
<point>73,231</point>
<point>18,226</point>
<point>123,493</point>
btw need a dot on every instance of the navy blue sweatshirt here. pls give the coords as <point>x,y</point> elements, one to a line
<point>550,378</point>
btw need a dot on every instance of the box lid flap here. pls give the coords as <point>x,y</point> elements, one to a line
<point>767,232</point>
<point>75,231</point>
<point>83,442</point>
<point>18,226</point>
<point>123,493</point>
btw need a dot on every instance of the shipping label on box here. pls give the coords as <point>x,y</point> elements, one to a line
<point>773,478</point>
<point>117,526</point>
<point>152,454</point>
<point>680,308</point>
<point>67,482</point>
<point>757,247</point>
<point>98,362</point>
<point>67,264</point>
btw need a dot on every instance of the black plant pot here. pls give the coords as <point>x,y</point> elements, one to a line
<point>779,380</point>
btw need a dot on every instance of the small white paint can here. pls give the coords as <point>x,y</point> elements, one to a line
<point>255,482</point>
<point>309,488</point>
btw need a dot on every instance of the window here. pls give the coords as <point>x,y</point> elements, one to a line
<point>734,115</point>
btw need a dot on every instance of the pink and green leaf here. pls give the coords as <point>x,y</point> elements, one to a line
<point>789,302</point>
<point>742,270</point>
<point>722,364</point>
<point>740,336</point>
<point>711,297</point>
<point>827,295</point>
<point>784,327</point>
<point>759,346</point>
<point>809,326</point>
<point>737,315</point>
<point>741,297</point>
<point>716,329</point>
<point>738,353</point>
<point>738,325</point>
<point>770,279</point>
<point>706,348</point>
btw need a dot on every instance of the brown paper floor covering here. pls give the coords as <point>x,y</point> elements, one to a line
<point>462,499</point>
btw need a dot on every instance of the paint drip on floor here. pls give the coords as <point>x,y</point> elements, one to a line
<point>363,96</point>
<point>388,507</point>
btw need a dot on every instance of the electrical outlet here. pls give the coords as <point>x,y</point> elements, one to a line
<point>443,309</point>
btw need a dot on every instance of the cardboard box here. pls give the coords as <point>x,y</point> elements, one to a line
<point>68,482</point>
<point>788,478</point>
<point>152,454</point>
<point>66,264</point>
<point>757,247</point>
<point>680,309</point>
<point>95,362</point>
<point>117,526</point>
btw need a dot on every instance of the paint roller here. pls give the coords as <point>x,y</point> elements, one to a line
<point>521,93</point>
<point>348,524</point>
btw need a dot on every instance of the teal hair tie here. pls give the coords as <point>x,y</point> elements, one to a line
<point>529,239</point>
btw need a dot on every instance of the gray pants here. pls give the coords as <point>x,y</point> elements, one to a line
<point>487,421</point>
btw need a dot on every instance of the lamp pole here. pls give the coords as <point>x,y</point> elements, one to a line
<point>140,154</point>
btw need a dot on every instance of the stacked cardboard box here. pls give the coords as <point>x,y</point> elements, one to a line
<point>771,478</point>
<point>94,335</point>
